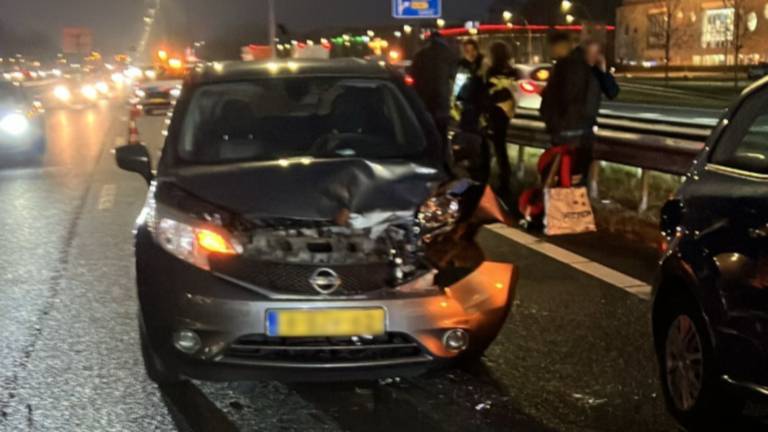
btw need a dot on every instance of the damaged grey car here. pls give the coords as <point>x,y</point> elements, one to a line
<point>305,223</point>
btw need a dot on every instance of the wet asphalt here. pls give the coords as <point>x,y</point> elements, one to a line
<point>575,354</point>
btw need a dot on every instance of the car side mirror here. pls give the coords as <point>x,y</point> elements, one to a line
<point>135,158</point>
<point>470,156</point>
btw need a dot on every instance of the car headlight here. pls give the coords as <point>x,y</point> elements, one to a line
<point>185,236</point>
<point>102,87</point>
<point>438,216</point>
<point>14,124</point>
<point>141,93</point>
<point>62,93</point>
<point>89,92</point>
<point>176,92</point>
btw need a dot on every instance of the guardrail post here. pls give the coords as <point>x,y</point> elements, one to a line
<point>594,177</point>
<point>645,186</point>
<point>520,161</point>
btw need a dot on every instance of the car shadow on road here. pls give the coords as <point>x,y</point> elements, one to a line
<point>192,411</point>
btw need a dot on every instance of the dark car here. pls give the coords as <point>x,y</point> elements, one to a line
<point>304,224</point>
<point>710,309</point>
<point>156,97</point>
<point>757,71</point>
<point>22,123</point>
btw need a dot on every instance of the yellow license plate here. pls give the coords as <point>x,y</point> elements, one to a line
<point>325,322</point>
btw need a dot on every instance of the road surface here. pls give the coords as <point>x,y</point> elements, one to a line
<point>575,354</point>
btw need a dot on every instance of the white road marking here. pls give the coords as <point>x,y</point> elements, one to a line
<point>620,280</point>
<point>107,197</point>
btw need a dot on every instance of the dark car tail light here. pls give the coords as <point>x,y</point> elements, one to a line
<point>409,81</point>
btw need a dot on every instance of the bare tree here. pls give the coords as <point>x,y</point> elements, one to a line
<point>675,32</point>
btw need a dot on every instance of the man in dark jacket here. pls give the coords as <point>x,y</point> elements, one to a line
<point>571,102</point>
<point>433,71</point>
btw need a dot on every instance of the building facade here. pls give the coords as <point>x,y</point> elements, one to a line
<point>703,33</point>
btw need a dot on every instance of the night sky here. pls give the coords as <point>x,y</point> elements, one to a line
<point>116,23</point>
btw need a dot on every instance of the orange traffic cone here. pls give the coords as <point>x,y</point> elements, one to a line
<point>133,133</point>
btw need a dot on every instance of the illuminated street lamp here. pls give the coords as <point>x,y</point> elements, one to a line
<point>440,23</point>
<point>398,34</point>
<point>566,6</point>
<point>371,33</point>
<point>507,16</point>
<point>407,29</point>
<point>570,19</point>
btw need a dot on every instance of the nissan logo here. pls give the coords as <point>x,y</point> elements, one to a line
<point>325,280</point>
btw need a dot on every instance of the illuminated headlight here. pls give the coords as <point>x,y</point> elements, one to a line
<point>176,92</point>
<point>141,93</point>
<point>102,87</point>
<point>89,92</point>
<point>62,93</point>
<point>150,74</point>
<point>438,215</point>
<point>184,236</point>
<point>118,78</point>
<point>14,124</point>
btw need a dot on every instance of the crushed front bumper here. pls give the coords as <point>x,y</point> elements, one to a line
<point>231,323</point>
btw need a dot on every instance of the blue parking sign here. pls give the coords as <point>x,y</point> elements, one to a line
<point>409,9</point>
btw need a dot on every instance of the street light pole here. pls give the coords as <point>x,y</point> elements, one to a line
<point>508,16</point>
<point>272,26</point>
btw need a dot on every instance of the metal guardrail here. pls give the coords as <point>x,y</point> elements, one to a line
<point>652,146</point>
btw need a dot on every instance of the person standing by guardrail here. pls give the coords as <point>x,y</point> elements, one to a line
<point>500,78</point>
<point>571,102</point>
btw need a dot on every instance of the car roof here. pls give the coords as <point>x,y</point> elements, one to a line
<point>213,72</point>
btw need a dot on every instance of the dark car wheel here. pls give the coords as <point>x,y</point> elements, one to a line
<point>689,375</point>
<point>158,372</point>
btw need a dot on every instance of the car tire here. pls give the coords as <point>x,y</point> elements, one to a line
<point>688,370</point>
<point>156,370</point>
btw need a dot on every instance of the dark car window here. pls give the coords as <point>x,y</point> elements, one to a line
<point>744,144</point>
<point>277,118</point>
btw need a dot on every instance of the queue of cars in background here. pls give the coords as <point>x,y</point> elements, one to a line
<point>155,97</point>
<point>303,225</point>
<point>710,305</point>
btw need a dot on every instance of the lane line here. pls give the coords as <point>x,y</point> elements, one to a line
<point>107,197</point>
<point>620,280</point>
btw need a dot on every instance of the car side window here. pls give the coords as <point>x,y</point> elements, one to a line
<point>744,144</point>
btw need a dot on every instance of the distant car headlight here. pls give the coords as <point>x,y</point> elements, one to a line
<point>14,124</point>
<point>62,93</point>
<point>176,92</point>
<point>102,87</point>
<point>89,92</point>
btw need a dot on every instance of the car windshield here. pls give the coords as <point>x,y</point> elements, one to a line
<point>10,95</point>
<point>277,118</point>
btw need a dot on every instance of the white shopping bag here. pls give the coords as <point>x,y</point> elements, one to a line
<point>568,211</point>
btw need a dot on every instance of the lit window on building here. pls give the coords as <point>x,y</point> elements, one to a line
<point>752,21</point>
<point>717,28</point>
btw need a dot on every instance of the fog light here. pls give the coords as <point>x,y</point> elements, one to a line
<point>456,340</point>
<point>186,341</point>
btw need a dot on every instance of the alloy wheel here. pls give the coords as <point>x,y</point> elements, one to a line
<point>684,363</point>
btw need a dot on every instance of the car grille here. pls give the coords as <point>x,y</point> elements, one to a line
<point>327,351</point>
<point>293,279</point>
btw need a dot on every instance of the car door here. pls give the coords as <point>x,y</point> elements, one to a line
<point>727,204</point>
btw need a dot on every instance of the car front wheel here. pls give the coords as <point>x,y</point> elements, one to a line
<point>689,373</point>
<point>156,370</point>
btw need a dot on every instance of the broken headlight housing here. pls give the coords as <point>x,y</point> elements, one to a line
<point>438,215</point>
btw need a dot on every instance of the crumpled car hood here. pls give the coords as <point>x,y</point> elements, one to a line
<point>312,189</point>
